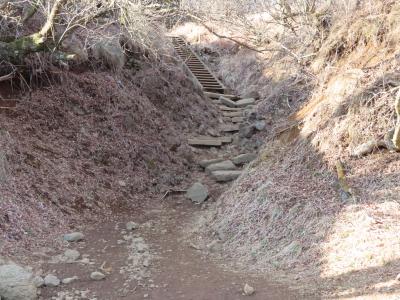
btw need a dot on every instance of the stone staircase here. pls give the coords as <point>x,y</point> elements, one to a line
<point>234,111</point>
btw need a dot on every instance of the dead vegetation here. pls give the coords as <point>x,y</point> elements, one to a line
<point>331,90</point>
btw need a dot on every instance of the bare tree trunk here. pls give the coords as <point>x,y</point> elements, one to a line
<point>14,51</point>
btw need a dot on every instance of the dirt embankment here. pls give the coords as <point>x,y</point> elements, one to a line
<point>289,213</point>
<point>89,144</point>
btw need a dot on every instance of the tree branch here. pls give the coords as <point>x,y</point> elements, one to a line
<point>50,20</point>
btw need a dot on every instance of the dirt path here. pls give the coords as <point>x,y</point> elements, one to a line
<point>175,270</point>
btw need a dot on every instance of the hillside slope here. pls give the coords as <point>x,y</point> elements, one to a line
<point>289,212</point>
<point>90,144</point>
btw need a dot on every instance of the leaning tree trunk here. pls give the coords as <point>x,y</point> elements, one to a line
<point>14,51</point>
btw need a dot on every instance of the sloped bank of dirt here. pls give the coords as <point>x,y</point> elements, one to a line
<point>288,212</point>
<point>77,150</point>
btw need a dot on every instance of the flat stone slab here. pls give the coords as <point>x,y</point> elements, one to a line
<point>237,119</point>
<point>206,162</point>
<point>232,114</point>
<point>227,102</point>
<point>245,102</point>
<point>244,158</point>
<point>230,128</point>
<point>210,142</point>
<point>216,95</point>
<point>221,166</point>
<point>198,193</point>
<point>226,139</point>
<point>227,108</point>
<point>225,176</point>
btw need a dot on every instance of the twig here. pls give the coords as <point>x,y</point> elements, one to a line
<point>170,191</point>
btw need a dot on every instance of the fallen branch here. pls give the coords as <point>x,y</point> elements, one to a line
<point>7,77</point>
<point>171,191</point>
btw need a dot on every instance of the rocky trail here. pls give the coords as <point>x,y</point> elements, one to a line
<point>152,261</point>
<point>147,253</point>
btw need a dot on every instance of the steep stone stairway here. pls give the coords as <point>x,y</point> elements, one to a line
<point>235,113</point>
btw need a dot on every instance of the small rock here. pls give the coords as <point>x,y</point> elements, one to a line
<point>71,255</point>
<point>248,290</point>
<point>198,193</point>
<point>246,131</point>
<point>38,281</point>
<point>253,94</point>
<point>51,281</point>
<point>222,166</point>
<point>74,237</point>
<point>244,158</point>
<point>131,226</point>
<point>398,277</point>
<point>69,280</point>
<point>225,176</point>
<point>85,261</point>
<point>97,276</point>
<point>260,125</point>
<point>206,162</point>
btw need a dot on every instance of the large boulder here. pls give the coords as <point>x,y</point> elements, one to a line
<point>16,283</point>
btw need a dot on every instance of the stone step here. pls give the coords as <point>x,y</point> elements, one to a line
<point>244,158</point>
<point>209,141</point>
<point>230,128</point>
<point>245,102</point>
<point>226,108</point>
<point>205,142</point>
<point>225,176</point>
<point>206,162</point>
<point>226,139</point>
<point>238,120</point>
<point>216,95</point>
<point>232,114</point>
<point>226,165</point>
<point>227,102</point>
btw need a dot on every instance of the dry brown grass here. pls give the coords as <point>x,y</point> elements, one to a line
<point>286,212</point>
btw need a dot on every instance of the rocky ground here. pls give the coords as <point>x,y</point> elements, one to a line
<point>144,255</point>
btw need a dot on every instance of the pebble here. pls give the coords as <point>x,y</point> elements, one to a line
<point>131,226</point>
<point>38,281</point>
<point>248,290</point>
<point>51,280</point>
<point>69,280</point>
<point>71,255</point>
<point>97,276</point>
<point>74,237</point>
